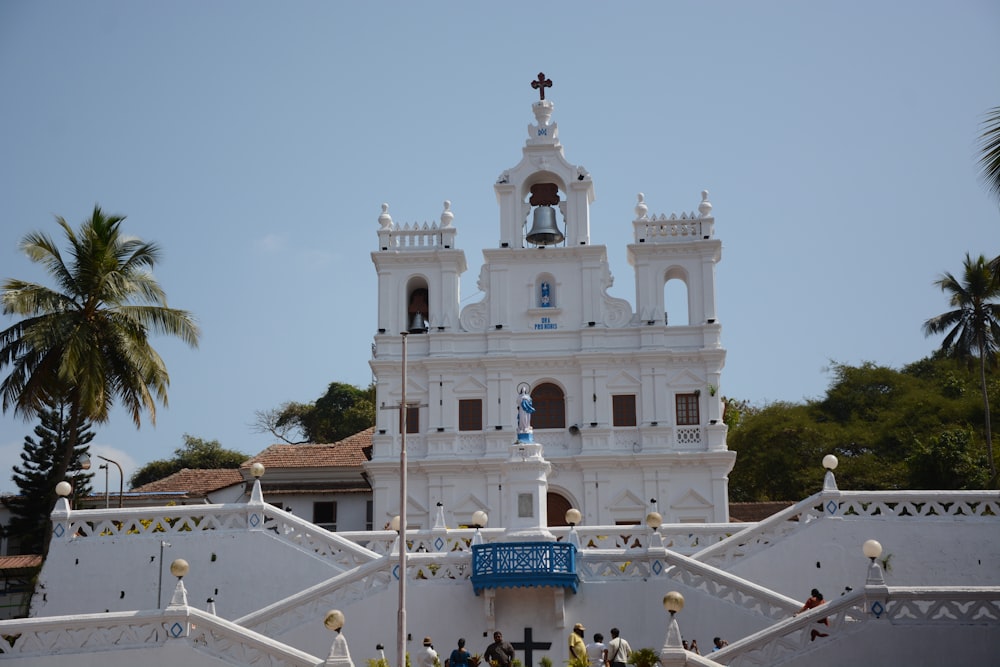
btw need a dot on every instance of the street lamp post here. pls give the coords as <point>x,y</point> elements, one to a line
<point>107,498</point>
<point>401,620</point>
<point>121,481</point>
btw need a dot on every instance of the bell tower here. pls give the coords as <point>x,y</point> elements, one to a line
<point>542,184</point>
<point>419,271</point>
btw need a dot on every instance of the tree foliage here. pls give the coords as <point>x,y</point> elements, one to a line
<point>197,454</point>
<point>35,476</point>
<point>339,413</point>
<point>989,151</point>
<point>972,327</point>
<point>917,427</point>
<point>87,339</point>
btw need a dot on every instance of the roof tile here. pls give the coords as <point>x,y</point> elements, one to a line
<point>345,453</point>
<point>194,481</point>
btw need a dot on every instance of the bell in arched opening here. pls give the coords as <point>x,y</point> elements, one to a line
<point>544,230</point>
<point>417,311</point>
<point>418,324</point>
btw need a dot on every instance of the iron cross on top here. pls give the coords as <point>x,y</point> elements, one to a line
<point>541,84</point>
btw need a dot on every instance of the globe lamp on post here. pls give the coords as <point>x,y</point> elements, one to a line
<point>829,481</point>
<point>573,517</point>
<point>872,549</point>
<point>673,649</point>
<point>179,568</point>
<point>257,471</point>
<point>394,526</point>
<point>479,520</point>
<point>340,655</point>
<point>654,520</point>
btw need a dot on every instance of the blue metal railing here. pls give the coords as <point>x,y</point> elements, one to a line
<point>523,564</point>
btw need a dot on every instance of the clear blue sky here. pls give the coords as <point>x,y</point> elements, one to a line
<point>256,141</point>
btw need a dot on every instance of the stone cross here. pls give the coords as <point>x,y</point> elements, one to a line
<point>541,84</point>
<point>529,645</point>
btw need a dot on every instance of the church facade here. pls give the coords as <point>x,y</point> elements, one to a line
<point>627,408</point>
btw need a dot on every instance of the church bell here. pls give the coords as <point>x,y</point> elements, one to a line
<point>418,324</point>
<point>543,227</point>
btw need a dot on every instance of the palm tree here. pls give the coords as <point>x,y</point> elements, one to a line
<point>973,327</point>
<point>87,339</point>
<point>989,144</point>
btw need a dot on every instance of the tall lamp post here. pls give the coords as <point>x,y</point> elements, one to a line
<point>401,620</point>
<point>107,498</point>
<point>121,481</point>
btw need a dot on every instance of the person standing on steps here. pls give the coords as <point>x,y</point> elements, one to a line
<point>618,650</point>
<point>500,652</point>
<point>815,600</point>
<point>427,656</point>
<point>577,647</point>
<point>459,657</point>
<point>597,653</point>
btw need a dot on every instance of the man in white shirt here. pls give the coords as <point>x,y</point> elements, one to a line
<point>427,656</point>
<point>618,650</point>
<point>597,653</point>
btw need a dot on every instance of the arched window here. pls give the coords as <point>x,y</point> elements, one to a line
<point>550,407</point>
<point>676,298</point>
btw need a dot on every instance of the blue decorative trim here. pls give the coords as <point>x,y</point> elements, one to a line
<point>832,507</point>
<point>254,520</point>
<point>877,609</point>
<point>58,531</point>
<point>176,630</point>
<point>524,565</point>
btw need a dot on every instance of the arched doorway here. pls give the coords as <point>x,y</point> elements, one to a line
<point>558,504</point>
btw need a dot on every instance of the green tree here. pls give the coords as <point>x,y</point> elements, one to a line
<point>196,454</point>
<point>972,326</point>
<point>339,413</point>
<point>778,449</point>
<point>946,461</point>
<point>989,155</point>
<point>884,425</point>
<point>35,480</point>
<point>88,338</point>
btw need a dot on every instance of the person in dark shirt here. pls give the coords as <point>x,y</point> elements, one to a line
<point>459,657</point>
<point>499,652</point>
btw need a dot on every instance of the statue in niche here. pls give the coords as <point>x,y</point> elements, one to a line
<point>545,300</point>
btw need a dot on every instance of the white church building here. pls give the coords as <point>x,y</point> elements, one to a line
<point>627,403</point>
<point>566,462</point>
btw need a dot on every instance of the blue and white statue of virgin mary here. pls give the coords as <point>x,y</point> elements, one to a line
<point>524,410</point>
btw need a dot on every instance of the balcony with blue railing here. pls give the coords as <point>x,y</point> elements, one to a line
<point>524,564</point>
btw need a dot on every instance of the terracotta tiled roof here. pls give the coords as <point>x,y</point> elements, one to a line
<point>23,562</point>
<point>752,512</point>
<point>194,482</point>
<point>345,453</point>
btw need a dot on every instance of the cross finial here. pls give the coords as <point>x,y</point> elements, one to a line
<point>541,84</point>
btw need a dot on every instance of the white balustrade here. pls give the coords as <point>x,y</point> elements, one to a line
<point>93,633</point>
<point>847,505</point>
<point>159,523</point>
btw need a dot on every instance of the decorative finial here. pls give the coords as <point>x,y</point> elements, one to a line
<point>640,208</point>
<point>447,216</point>
<point>385,219</point>
<point>705,207</point>
<point>540,84</point>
